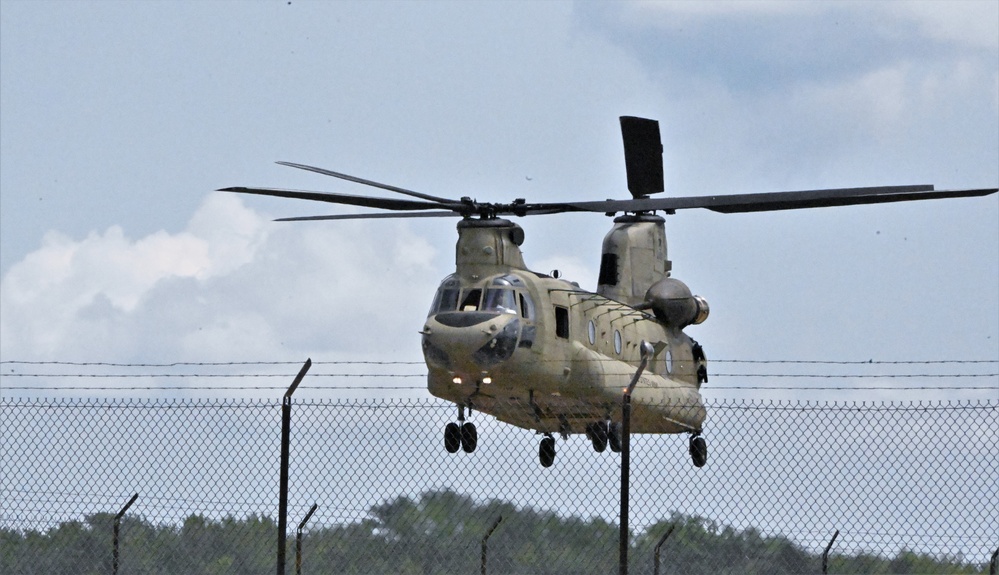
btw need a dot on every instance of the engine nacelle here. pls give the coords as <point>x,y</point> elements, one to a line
<point>673,304</point>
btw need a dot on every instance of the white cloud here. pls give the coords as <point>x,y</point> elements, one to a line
<point>971,22</point>
<point>106,277</point>
<point>642,10</point>
<point>233,285</point>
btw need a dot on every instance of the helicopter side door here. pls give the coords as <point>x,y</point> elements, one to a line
<point>558,336</point>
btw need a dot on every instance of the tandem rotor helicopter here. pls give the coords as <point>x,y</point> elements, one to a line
<point>538,352</point>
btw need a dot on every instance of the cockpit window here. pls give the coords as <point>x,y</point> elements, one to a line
<point>471,300</point>
<point>503,300</point>
<point>500,295</point>
<point>447,296</point>
<point>447,300</point>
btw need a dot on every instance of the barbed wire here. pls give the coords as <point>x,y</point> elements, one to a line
<point>423,374</point>
<point>206,363</point>
<point>406,375</point>
<point>415,387</point>
<point>234,363</point>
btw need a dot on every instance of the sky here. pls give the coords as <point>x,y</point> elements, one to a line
<point>119,120</point>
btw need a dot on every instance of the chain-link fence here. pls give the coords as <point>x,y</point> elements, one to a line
<point>909,487</point>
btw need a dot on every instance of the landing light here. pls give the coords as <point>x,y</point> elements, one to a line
<point>456,380</point>
<point>487,380</point>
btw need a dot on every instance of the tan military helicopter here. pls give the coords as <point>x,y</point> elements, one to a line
<point>540,353</point>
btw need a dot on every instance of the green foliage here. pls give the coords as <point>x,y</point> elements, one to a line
<point>698,545</point>
<point>438,533</point>
<point>905,563</point>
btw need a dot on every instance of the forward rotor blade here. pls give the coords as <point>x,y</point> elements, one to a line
<point>374,216</point>
<point>773,201</point>
<point>357,180</point>
<point>643,156</point>
<point>364,201</point>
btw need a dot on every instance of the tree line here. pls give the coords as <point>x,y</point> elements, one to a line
<point>439,532</point>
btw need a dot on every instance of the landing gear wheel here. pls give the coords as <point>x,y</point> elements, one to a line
<point>469,437</point>
<point>597,432</point>
<point>614,437</point>
<point>698,451</point>
<point>452,437</point>
<point>546,452</point>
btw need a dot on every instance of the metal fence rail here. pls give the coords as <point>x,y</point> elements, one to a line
<point>904,484</point>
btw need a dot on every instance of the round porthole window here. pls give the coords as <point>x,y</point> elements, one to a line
<point>591,332</point>
<point>669,361</point>
<point>617,342</point>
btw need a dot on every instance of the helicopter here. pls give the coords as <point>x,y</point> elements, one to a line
<point>536,351</point>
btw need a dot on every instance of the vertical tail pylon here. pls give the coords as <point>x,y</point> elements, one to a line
<point>633,259</point>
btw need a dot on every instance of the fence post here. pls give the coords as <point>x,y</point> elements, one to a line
<point>285,456</point>
<point>486,538</point>
<point>646,351</point>
<point>659,545</point>
<point>825,554</point>
<point>117,526</point>
<point>298,538</point>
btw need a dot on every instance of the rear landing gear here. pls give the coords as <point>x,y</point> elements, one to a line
<point>597,432</point>
<point>546,451</point>
<point>614,436</point>
<point>604,433</point>
<point>698,449</point>
<point>461,435</point>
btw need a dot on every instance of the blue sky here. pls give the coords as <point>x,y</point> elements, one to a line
<point>118,120</point>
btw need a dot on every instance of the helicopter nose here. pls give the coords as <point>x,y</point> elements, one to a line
<point>470,340</point>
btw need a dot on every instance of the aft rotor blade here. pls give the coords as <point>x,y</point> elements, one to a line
<point>773,201</point>
<point>363,201</point>
<point>643,156</point>
<point>791,202</point>
<point>357,180</point>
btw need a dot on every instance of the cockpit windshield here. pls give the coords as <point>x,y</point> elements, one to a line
<point>470,301</point>
<point>447,295</point>
<point>503,300</point>
<point>501,295</point>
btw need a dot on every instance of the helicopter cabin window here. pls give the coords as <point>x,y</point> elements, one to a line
<point>562,321</point>
<point>526,306</point>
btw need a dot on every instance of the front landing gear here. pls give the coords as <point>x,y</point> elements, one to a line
<point>698,449</point>
<point>460,435</point>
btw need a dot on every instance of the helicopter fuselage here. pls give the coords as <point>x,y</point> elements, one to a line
<point>540,353</point>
